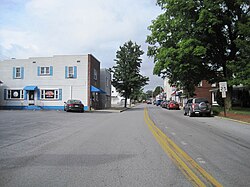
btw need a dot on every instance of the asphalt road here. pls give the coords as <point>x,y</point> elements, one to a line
<point>220,146</point>
<point>55,148</point>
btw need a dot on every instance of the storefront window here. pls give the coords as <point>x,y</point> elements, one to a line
<point>14,94</point>
<point>49,94</point>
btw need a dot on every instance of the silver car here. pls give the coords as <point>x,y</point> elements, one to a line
<point>197,106</point>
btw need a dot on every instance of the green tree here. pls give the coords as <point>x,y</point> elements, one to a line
<point>193,40</point>
<point>157,90</point>
<point>126,73</point>
<point>149,94</point>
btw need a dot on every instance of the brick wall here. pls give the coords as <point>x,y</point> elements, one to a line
<point>203,91</point>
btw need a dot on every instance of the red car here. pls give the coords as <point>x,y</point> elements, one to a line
<point>173,105</point>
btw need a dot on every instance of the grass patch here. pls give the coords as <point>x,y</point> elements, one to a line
<point>236,110</point>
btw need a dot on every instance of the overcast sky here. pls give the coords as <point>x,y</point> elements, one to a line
<point>35,28</point>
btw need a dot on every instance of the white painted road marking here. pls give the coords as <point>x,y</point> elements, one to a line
<point>200,160</point>
<point>183,143</point>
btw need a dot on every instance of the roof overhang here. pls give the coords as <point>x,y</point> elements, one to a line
<point>30,88</point>
<point>97,90</point>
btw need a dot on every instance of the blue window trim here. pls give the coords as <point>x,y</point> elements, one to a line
<point>38,70</point>
<point>21,73</point>
<point>74,71</point>
<point>14,73</point>
<point>66,72</point>
<point>51,70</point>
<point>60,94</point>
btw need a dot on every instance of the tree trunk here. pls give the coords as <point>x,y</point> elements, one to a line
<point>228,99</point>
<point>125,104</point>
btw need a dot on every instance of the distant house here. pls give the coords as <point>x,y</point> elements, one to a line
<point>168,89</point>
<point>171,92</point>
<point>116,99</point>
<point>47,82</point>
<point>202,90</point>
<point>240,95</point>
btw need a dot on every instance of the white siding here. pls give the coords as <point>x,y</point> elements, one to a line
<point>71,88</point>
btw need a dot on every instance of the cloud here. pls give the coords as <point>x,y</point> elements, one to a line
<point>49,27</point>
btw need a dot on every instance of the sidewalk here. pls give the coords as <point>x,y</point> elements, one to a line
<point>111,110</point>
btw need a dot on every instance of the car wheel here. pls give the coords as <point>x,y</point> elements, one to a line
<point>190,114</point>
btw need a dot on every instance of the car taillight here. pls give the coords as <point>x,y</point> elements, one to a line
<point>70,105</point>
<point>194,105</point>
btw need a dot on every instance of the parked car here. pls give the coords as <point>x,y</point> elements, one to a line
<point>149,102</point>
<point>173,105</point>
<point>158,102</point>
<point>197,106</point>
<point>164,104</point>
<point>73,105</point>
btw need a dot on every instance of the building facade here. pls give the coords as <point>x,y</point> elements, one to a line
<point>47,82</point>
<point>105,85</point>
<point>168,89</point>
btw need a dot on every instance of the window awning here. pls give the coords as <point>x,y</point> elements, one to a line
<point>98,90</point>
<point>30,88</point>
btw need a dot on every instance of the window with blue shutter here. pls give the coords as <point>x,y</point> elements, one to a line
<point>51,70</point>
<point>60,94</point>
<point>22,72</point>
<point>66,72</point>
<point>14,73</point>
<point>38,70</point>
<point>18,73</point>
<point>75,71</point>
<point>70,72</point>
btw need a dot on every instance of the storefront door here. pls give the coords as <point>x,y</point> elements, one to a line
<point>31,97</point>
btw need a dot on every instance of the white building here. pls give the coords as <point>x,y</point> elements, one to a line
<point>169,91</point>
<point>116,99</point>
<point>47,82</point>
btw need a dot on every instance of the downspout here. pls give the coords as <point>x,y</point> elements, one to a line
<point>70,89</point>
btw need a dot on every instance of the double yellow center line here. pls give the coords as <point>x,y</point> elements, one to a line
<point>196,174</point>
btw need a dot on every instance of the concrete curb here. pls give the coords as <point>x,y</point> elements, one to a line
<point>225,118</point>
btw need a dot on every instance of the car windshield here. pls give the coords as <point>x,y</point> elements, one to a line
<point>74,102</point>
<point>199,100</point>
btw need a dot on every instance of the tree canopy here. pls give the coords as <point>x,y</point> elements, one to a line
<point>194,40</point>
<point>157,90</point>
<point>126,73</point>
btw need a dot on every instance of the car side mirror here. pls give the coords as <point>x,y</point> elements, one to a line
<point>65,103</point>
